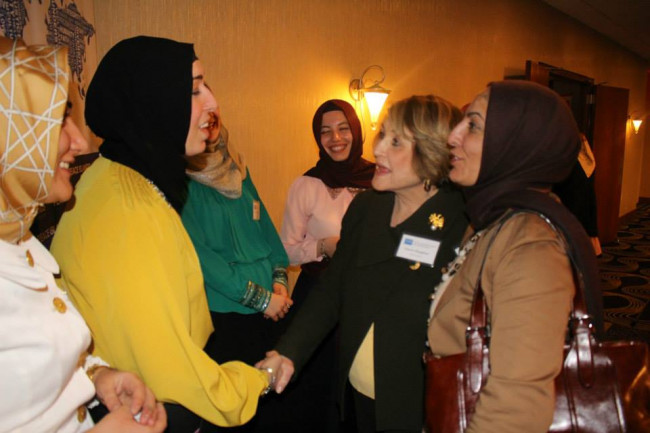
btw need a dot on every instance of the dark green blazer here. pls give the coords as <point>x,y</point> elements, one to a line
<point>366,283</point>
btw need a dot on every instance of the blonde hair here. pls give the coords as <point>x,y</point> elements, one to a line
<point>428,119</point>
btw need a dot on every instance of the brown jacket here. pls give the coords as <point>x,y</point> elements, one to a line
<point>528,285</point>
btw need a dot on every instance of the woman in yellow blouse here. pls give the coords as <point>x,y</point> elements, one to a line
<point>125,257</point>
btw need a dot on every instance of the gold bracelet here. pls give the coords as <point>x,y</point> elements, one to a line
<point>92,370</point>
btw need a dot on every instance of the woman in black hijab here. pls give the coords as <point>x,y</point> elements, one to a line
<point>517,139</point>
<point>141,116</point>
<point>127,262</point>
<point>353,171</point>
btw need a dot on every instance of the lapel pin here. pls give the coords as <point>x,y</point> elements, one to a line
<point>437,221</point>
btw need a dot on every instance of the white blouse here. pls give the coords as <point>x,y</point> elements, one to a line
<point>313,211</point>
<point>41,339</point>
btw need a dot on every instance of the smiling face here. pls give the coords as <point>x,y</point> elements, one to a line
<point>466,142</point>
<point>394,161</point>
<point>203,104</point>
<point>336,135</point>
<point>71,144</point>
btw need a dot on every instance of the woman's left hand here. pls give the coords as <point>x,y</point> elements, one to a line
<point>120,388</point>
<point>280,289</point>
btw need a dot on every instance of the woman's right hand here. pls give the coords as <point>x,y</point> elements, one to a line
<point>282,367</point>
<point>278,307</point>
<point>121,420</point>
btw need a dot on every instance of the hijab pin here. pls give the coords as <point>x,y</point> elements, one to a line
<point>437,221</point>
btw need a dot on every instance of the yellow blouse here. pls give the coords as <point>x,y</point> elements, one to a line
<point>131,270</point>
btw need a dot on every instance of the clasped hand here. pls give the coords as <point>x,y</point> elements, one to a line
<point>280,303</point>
<point>118,390</point>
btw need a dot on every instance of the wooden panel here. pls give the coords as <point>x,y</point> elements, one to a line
<point>537,73</point>
<point>609,147</point>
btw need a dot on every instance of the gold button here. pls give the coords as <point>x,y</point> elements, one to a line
<point>30,259</point>
<point>60,306</point>
<point>81,413</point>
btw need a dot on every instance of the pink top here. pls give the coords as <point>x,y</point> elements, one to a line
<point>313,211</point>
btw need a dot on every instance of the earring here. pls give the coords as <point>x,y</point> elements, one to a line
<point>427,185</point>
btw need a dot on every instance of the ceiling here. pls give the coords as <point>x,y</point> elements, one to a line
<point>626,22</point>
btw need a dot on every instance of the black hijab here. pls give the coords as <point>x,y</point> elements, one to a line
<point>532,141</point>
<point>355,171</point>
<point>139,102</point>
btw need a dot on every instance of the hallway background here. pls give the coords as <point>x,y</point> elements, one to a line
<point>625,278</point>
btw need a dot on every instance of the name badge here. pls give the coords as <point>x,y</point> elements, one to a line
<point>418,249</point>
<point>256,210</point>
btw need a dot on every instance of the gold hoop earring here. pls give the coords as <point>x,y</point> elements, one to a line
<point>427,185</point>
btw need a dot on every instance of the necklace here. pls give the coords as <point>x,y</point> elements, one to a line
<point>452,269</point>
<point>160,193</point>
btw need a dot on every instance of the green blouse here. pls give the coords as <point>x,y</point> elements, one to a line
<point>237,244</point>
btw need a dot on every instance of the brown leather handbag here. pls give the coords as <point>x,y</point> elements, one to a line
<point>603,386</point>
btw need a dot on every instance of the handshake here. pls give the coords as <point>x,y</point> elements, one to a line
<point>280,369</point>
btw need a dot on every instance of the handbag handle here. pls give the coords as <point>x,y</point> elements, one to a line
<point>477,342</point>
<point>580,325</point>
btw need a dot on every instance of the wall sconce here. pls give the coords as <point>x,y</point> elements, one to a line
<point>636,124</point>
<point>374,94</point>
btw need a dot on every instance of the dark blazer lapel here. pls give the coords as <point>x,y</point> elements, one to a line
<point>376,241</point>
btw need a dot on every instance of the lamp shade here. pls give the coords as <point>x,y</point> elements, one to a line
<point>375,95</point>
<point>375,98</point>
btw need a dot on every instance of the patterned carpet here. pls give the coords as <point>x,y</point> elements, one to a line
<point>625,276</point>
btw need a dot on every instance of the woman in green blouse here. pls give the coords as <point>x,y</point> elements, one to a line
<point>241,255</point>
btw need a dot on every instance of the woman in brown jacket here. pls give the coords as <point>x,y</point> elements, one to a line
<point>517,139</point>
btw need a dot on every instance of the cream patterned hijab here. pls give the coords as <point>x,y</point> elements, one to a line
<point>220,166</point>
<point>33,96</point>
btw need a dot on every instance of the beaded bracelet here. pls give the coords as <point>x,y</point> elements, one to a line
<point>321,249</point>
<point>256,297</point>
<point>280,276</point>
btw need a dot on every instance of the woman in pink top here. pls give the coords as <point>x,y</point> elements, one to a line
<point>311,226</point>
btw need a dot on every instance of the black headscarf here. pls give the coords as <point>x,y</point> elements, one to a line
<point>354,171</point>
<point>532,142</point>
<point>139,102</point>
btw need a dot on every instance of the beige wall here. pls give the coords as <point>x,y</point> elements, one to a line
<point>272,62</point>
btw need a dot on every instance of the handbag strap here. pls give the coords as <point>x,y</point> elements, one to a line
<point>477,335</point>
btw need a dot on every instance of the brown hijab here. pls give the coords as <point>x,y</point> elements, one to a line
<point>32,106</point>
<point>355,171</point>
<point>532,142</point>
